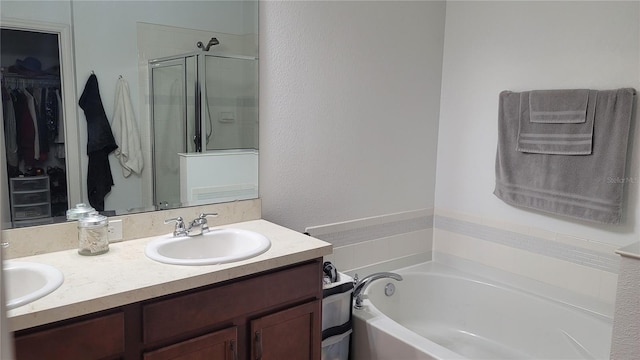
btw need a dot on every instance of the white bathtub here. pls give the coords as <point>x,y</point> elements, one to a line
<point>441,313</point>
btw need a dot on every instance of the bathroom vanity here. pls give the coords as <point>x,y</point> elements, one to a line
<point>266,307</point>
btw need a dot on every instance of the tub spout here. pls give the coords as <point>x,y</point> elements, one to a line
<point>361,285</point>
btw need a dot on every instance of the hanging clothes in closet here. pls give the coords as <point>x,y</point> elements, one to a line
<point>31,113</point>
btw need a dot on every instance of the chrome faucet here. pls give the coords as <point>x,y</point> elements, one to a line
<point>361,285</point>
<point>198,226</point>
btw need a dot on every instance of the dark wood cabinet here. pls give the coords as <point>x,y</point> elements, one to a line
<point>289,334</point>
<point>219,345</point>
<point>97,338</point>
<point>270,315</point>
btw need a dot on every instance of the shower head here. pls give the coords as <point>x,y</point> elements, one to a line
<point>213,41</point>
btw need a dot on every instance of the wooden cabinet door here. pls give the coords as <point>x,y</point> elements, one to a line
<point>293,333</point>
<point>219,345</point>
<point>98,338</point>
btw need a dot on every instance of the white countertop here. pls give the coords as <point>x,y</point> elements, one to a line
<point>124,275</point>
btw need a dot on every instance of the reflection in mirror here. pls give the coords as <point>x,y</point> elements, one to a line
<point>226,111</point>
<point>37,167</point>
<point>171,132</point>
<point>33,126</point>
<point>204,120</point>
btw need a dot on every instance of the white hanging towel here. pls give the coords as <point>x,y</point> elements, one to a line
<point>125,131</point>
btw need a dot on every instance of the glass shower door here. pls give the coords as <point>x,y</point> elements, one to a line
<point>230,104</point>
<point>169,120</point>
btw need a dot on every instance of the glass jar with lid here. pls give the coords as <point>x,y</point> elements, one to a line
<point>93,236</point>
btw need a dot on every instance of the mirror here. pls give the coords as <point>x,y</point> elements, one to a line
<point>222,103</point>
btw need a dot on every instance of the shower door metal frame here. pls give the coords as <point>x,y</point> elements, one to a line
<point>157,64</point>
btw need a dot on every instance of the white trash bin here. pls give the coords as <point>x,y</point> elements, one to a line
<point>336,318</point>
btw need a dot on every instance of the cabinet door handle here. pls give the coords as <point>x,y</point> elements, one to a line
<point>258,345</point>
<point>234,349</point>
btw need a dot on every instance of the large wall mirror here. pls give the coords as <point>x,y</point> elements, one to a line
<point>177,82</point>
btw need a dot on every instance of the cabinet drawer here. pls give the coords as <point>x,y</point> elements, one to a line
<point>31,211</point>
<point>219,345</point>
<point>202,309</point>
<point>98,338</point>
<point>30,183</point>
<point>30,197</point>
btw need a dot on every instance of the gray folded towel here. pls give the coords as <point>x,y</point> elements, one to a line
<point>558,106</point>
<point>583,187</point>
<point>557,131</point>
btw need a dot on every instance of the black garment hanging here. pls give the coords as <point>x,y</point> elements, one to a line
<point>50,111</point>
<point>98,128</point>
<point>26,129</point>
<point>43,131</point>
<point>10,132</point>
<point>100,144</point>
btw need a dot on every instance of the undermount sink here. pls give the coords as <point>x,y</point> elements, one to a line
<point>28,281</point>
<point>217,246</point>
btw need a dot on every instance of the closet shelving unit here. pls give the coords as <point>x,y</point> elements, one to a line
<point>30,200</point>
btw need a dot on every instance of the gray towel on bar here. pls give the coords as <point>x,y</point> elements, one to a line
<point>553,136</point>
<point>583,187</point>
<point>558,106</point>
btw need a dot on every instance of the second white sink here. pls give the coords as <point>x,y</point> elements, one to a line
<point>217,246</point>
<point>28,281</point>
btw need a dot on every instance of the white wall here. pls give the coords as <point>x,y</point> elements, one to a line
<point>494,46</point>
<point>56,11</point>
<point>349,95</point>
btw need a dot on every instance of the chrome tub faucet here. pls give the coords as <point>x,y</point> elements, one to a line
<point>361,285</point>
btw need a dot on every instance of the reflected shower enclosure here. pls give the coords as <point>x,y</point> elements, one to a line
<point>204,118</point>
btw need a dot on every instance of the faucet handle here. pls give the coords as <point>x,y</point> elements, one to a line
<point>202,219</point>
<point>176,219</point>
<point>180,229</point>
